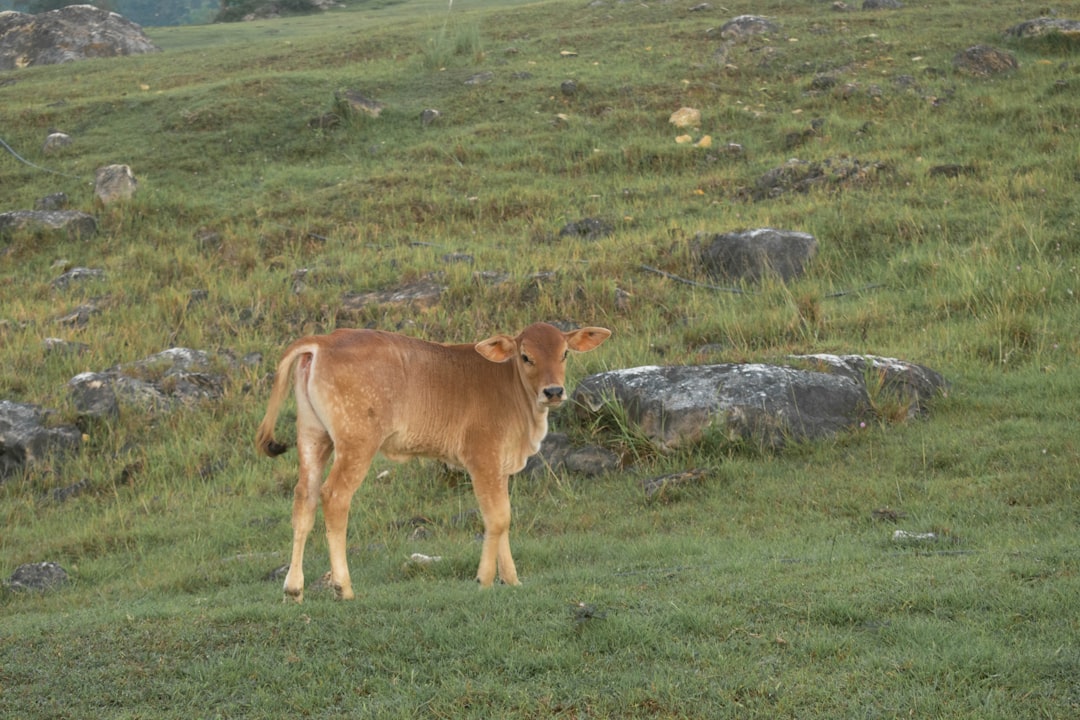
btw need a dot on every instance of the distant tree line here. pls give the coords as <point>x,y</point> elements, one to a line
<point>151,13</point>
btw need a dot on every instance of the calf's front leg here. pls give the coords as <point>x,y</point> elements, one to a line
<point>493,496</point>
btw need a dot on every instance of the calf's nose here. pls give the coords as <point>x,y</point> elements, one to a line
<point>553,392</point>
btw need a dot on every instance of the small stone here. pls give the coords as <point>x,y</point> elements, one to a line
<point>685,118</point>
<point>37,577</point>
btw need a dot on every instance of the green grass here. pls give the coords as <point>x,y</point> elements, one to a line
<point>768,589</point>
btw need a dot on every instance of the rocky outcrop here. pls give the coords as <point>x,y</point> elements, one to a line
<point>72,33</point>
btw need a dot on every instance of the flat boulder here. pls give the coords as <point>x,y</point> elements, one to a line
<point>769,405</point>
<point>772,405</point>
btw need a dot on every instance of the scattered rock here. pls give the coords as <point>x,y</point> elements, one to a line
<point>887,514</point>
<point>750,255</point>
<point>114,183</point>
<point>94,395</point>
<point>78,274</point>
<point>686,117</point>
<point>557,453</point>
<point>587,228</point>
<point>907,537</point>
<point>80,316</point>
<point>74,490</point>
<point>158,382</point>
<point>801,176</point>
<point>429,116</point>
<point>745,26</point>
<point>658,486</point>
<point>64,347</point>
<point>568,88</point>
<point>55,142</point>
<point>52,202</point>
<point>37,577</point>
<point>26,438</point>
<point>71,33</point>
<point>69,224</point>
<point>984,61</point>
<point>1043,26</point>
<point>358,102</point>
<point>419,295</point>
<point>482,78</point>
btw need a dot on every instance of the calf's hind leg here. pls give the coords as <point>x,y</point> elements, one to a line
<point>346,475</point>
<point>314,448</point>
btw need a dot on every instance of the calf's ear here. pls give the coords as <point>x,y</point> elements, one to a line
<point>586,338</point>
<point>497,349</point>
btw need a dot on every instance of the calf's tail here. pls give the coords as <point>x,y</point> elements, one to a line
<point>264,436</point>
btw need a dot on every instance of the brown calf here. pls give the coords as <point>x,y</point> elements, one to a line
<point>481,407</point>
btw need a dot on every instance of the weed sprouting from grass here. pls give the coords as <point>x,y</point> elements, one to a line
<point>889,402</point>
<point>450,41</point>
<point>612,424</point>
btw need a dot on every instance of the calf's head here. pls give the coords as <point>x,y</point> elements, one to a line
<point>540,355</point>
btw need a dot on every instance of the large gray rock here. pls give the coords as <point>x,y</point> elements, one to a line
<point>75,32</point>
<point>768,404</point>
<point>25,438</point>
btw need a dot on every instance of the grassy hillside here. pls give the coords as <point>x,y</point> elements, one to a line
<point>772,588</point>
